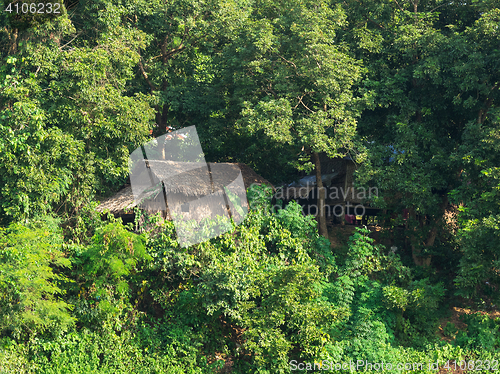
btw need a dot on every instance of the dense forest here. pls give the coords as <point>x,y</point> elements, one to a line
<point>406,89</point>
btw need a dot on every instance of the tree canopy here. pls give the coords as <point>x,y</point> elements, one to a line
<point>408,91</point>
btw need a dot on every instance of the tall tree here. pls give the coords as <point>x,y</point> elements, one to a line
<point>67,123</point>
<point>434,71</point>
<point>294,81</point>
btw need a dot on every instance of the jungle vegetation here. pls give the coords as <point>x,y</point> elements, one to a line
<point>408,89</point>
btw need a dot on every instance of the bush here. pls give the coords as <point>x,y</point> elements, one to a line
<point>30,286</point>
<point>94,352</point>
<point>482,333</point>
<point>263,279</point>
<point>104,271</point>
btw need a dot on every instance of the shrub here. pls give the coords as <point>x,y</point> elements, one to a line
<point>104,270</point>
<point>482,332</point>
<point>30,285</point>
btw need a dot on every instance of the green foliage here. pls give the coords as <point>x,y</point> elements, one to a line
<point>263,279</point>
<point>432,73</point>
<point>383,303</point>
<point>450,330</point>
<point>113,255</point>
<point>294,80</point>
<point>479,213</point>
<point>482,333</point>
<point>66,124</point>
<point>415,84</point>
<point>259,197</point>
<point>30,289</point>
<point>363,258</point>
<point>422,313</point>
<point>396,297</point>
<point>365,330</point>
<point>257,295</point>
<point>105,268</point>
<point>38,164</point>
<point>80,228</point>
<point>95,352</point>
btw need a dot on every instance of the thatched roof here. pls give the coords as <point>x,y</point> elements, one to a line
<point>119,202</point>
<point>188,178</point>
<point>250,176</point>
<point>196,181</point>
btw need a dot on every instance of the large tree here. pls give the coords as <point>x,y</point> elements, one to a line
<point>293,81</point>
<point>433,69</point>
<point>67,124</point>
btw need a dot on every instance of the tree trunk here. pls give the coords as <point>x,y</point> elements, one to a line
<point>13,41</point>
<point>321,197</point>
<point>418,259</point>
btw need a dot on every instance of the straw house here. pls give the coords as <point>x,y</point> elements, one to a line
<point>190,189</point>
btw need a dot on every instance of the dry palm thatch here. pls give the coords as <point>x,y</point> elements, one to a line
<point>189,179</point>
